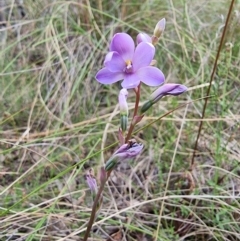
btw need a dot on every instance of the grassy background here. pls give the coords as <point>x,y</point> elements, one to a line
<point>55,120</point>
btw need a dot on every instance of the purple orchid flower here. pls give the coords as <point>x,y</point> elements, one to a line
<point>131,65</point>
<point>128,150</point>
<point>167,89</point>
<point>125,152</point>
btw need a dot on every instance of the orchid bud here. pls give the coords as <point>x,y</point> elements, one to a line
<point>147,105</point>
<point>159,28</point>
<point>92,183</point>
<point>158,31</point>
<point>167,89</point>
<point>143,37</point>
<point>125,152</point>
<point>123,122</point>
<point>122,99</point>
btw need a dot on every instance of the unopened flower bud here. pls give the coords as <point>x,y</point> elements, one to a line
<point>91,182</point>
<point>123,122</point>
<point>167,89</point>
<point>125,152</point>
<point>143,37</point>
<point>122,99</point>
<point>147,105</point>
<point>159,28</point>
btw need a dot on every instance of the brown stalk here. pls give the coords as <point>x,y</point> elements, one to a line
<point>131,128</point>
<point>94,210</point>
<point>211,80</point>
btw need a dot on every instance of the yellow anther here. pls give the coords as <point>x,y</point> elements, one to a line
<point>128,64</point>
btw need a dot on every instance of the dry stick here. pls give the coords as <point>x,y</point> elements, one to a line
<point>211,80</point>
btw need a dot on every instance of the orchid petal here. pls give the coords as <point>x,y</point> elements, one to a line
<point>167,89</point>
<point>124,45</point>
<point>92,183</point>
<point>151,76</point>
<point>173,89</point>
<point>130,81</point>
<point>143,55</point>
<point>104,76</point>
<point>143,37</point>
<point>114,62</point>
<point>125,152</point>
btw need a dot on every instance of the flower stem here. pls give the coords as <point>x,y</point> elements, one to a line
<point>94,210</point>
<point>100,190</point>
<point>137,91</point>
